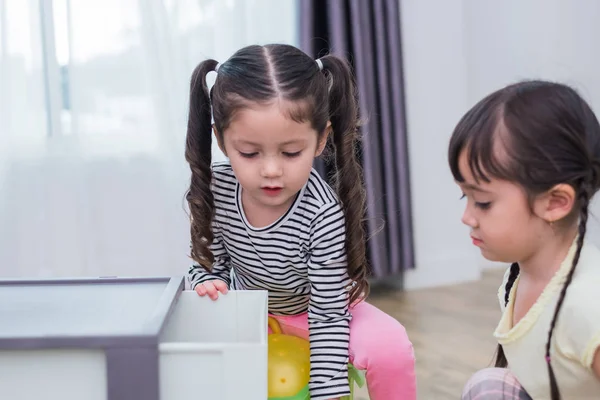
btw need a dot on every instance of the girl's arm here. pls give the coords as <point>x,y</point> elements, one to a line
<point>579,330</point>
<point>328,314</point>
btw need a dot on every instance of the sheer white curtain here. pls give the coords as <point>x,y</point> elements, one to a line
<point>93,116</point>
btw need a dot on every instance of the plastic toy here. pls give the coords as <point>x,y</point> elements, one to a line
<point>289,366</point>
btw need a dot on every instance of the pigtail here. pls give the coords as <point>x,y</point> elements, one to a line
<point>343,113</point>
<point>198,155</point>
<point>584,201</point>
<point>501,361</point>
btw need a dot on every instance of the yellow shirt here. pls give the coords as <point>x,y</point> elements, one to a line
<point>575,339</point>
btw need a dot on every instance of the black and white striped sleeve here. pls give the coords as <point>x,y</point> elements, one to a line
<point>328,314</point>
<point>220,269</point>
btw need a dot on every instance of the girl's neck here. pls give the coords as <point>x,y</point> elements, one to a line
<point>258,215</point>
<point>543,264</point>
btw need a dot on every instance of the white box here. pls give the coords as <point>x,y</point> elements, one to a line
<point>128,339</point>
<point>215,349</point>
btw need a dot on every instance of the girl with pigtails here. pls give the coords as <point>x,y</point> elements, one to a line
<point>265,220</point>
<point>527,158</point>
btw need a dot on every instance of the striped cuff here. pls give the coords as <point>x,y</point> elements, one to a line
<point>336,387</point>
<point>207,277</point>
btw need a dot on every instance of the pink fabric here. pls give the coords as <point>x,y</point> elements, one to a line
<point>379,345</point>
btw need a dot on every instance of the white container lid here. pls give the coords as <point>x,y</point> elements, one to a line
<point>85,313</point>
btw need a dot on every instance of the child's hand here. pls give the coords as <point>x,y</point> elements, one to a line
<point>212,288</point>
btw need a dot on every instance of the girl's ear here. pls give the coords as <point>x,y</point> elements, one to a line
<point>556,203</point>
<point>323,140</point>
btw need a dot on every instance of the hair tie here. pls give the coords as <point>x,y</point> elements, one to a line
<point>319,64</point>
<point>217,67</point>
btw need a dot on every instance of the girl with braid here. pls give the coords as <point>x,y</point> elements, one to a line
<point>527,158</point>
<point>265,220</point>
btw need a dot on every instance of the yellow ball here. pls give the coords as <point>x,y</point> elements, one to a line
<point>288,364</point>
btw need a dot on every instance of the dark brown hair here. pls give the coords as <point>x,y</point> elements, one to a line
<point>548,135</point>
<point>263,74</point>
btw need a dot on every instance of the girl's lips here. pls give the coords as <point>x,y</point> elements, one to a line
<point>271,191</point>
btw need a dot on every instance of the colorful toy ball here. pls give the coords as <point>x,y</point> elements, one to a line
<point>289,365</point>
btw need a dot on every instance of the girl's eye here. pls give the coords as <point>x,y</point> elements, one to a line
<point>295,154</point>
<point>248,155</point>
<point>483,206</point>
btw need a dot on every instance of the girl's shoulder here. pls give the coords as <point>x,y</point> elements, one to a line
<point>578,328</point>
<point>222,172</point>
<point>586,277</point>
<point>221,167</point>
<point>223,182</point>
<point>319,203</point>
<point>319,190</point>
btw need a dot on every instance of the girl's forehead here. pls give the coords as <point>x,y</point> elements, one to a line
<point>498,188</point>
<point>265,115</point>
<point>480,169</point>
<point>469,179</point>
<point>465,169</point>
<point>267,126</point>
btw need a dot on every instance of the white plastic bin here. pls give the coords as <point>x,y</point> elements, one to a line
<point>215,349</point>
<point>128,339</point>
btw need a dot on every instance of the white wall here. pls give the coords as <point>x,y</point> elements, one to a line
<point>105,195</point>
<point>455,55</point>
<point>435,68</point>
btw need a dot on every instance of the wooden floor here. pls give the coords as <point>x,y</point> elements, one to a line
<point>451,330</point>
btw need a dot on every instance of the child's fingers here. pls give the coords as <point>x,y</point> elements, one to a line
<point>200,289</point>
<point>211,290</point>
<point>221,286</point>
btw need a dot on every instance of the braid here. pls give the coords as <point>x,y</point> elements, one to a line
<point>514,272</point>
<point>584,199</point>
<point>343,110</point>
<point>501,361</point>
<point>198,155</point>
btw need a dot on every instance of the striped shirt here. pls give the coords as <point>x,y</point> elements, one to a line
<point>300,259</point>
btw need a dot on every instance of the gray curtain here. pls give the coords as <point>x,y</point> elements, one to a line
<point>368,33</point>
